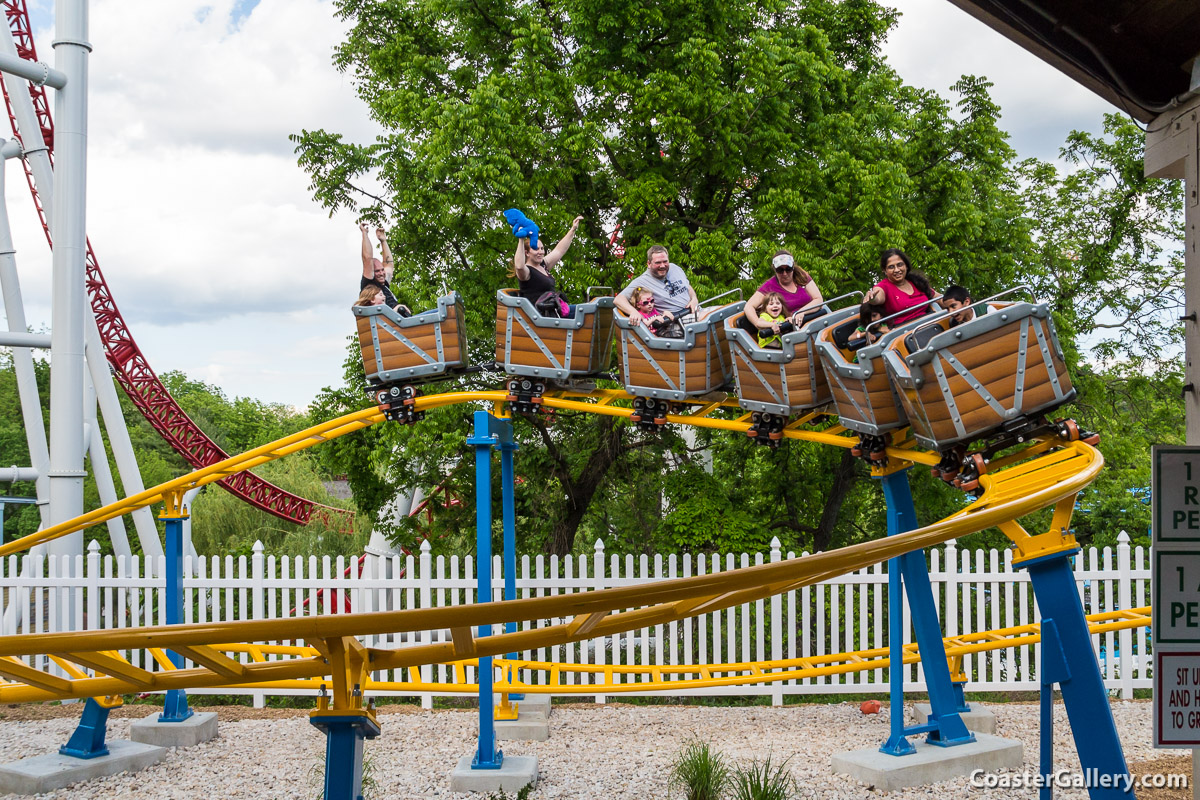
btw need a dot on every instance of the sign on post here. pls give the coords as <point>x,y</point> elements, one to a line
<point>1175,578</point>
<point>1177,699</point>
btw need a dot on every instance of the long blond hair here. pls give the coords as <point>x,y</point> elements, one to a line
<point>636,296</point>
<point>367,295</point>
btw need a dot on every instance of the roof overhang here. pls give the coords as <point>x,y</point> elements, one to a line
<point>1140,55</point>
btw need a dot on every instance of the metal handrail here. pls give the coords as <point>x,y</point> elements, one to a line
<point>938,317</point>
<point>882,320</point>
<point>738,291</point>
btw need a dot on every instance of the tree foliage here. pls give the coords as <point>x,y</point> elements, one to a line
<point>723,131</point>
<point>221,523</point>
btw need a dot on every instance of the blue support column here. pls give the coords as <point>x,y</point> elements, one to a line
<point>910,574</point>
<point>87,741</point>
<point>1067,659</point>
<point>175,705</point>
<point>489,431</point>
<point>344,735</point>
<point>508,506</point>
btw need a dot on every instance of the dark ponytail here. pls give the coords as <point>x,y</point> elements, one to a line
<point>920,282</point>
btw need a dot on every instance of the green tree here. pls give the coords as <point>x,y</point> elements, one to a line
<point>724,131</point>
<point>1107,248</point>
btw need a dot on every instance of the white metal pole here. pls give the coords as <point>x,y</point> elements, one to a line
<point>68,224</point>
<point>37,157</point>
<point>103,474</point>
<point>118,440</point>
<point>189,549</point>
<point>27,390</point>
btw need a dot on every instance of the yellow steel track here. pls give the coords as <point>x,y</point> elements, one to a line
<point>559,678</point>
<point>1048,473</point>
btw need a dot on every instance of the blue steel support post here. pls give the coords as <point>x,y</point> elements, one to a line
<point>945,727</point>
<point>1046,741</point>
<point>344,735</point>
<point>175,705</point>
<point>487,756</point>
<point>1067,641</point>
<point>508,506</point>
<point>87,741</point>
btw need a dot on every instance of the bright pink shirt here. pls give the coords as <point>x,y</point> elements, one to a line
<point>792,301</point>
<point>895,301</point>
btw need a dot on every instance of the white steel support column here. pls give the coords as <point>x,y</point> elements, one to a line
<point>1173,151</point>
<point>27,391</point>
<point>118,440</point>
<point>37,157</point>
<point>68,223</point>
<point>101,472</point>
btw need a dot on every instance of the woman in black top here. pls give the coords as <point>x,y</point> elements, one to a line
<point>532,267</point>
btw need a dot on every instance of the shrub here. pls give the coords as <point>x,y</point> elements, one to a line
<point>700,771</point>
<point>762,780</point>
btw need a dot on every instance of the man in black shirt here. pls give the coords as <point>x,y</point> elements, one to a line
<point>379,272</point>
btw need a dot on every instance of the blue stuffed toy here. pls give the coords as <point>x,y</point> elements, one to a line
<point>522,226</point>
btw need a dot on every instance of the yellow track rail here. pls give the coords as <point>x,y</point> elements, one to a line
<point>1045,474</point>
<point>560,678</point>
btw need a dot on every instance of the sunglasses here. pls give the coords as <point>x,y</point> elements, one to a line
<point>785,269</point>
<point>645,303</point>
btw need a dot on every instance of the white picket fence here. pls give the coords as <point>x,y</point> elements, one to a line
<point>974,590</point>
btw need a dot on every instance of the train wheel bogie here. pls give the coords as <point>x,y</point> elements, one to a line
<point>398,403</point>
<point>525,396</point>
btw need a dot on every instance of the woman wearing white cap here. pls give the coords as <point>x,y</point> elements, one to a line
<point>799,291</point>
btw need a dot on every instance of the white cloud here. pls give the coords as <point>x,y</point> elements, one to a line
<point>218,260</point>
<point>202,222</point>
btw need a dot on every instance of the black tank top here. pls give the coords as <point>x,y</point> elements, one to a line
<point>538,284</point>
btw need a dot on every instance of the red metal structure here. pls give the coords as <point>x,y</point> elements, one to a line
<point>128,362</point>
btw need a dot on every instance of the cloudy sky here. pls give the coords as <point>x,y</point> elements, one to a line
<point>220,263</point>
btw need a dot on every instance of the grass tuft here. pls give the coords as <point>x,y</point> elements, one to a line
<point>700,772</point>
<point>762,780</point>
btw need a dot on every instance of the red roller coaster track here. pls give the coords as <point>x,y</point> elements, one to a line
<point>126,358</point>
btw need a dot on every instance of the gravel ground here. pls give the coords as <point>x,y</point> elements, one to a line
<point>614,752</point>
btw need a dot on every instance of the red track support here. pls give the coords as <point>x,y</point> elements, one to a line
<point>126,358</point>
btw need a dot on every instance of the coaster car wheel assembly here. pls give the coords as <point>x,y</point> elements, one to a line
<point>525,395</point>
<point>399,403</point>
<point>650,414</point>
<point>766,428</point>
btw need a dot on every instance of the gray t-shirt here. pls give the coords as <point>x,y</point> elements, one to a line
<point>670,294</point>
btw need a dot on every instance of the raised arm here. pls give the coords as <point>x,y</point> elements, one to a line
<point>389,266</point>
<point>560,249</point>
<point>519,266</point>
<point>875,296</point>
<point>368,253</point>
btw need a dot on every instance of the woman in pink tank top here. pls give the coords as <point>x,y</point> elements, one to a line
<point>902,288</point>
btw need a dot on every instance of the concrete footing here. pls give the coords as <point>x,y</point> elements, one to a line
<point>535,705</point>
<point>51,771</point>
<point>524,728</point>
<point>515,773</point>
<point>930,763</point>
<point>198,728</point>
<point>532,722</point>
<point>978,719</point>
